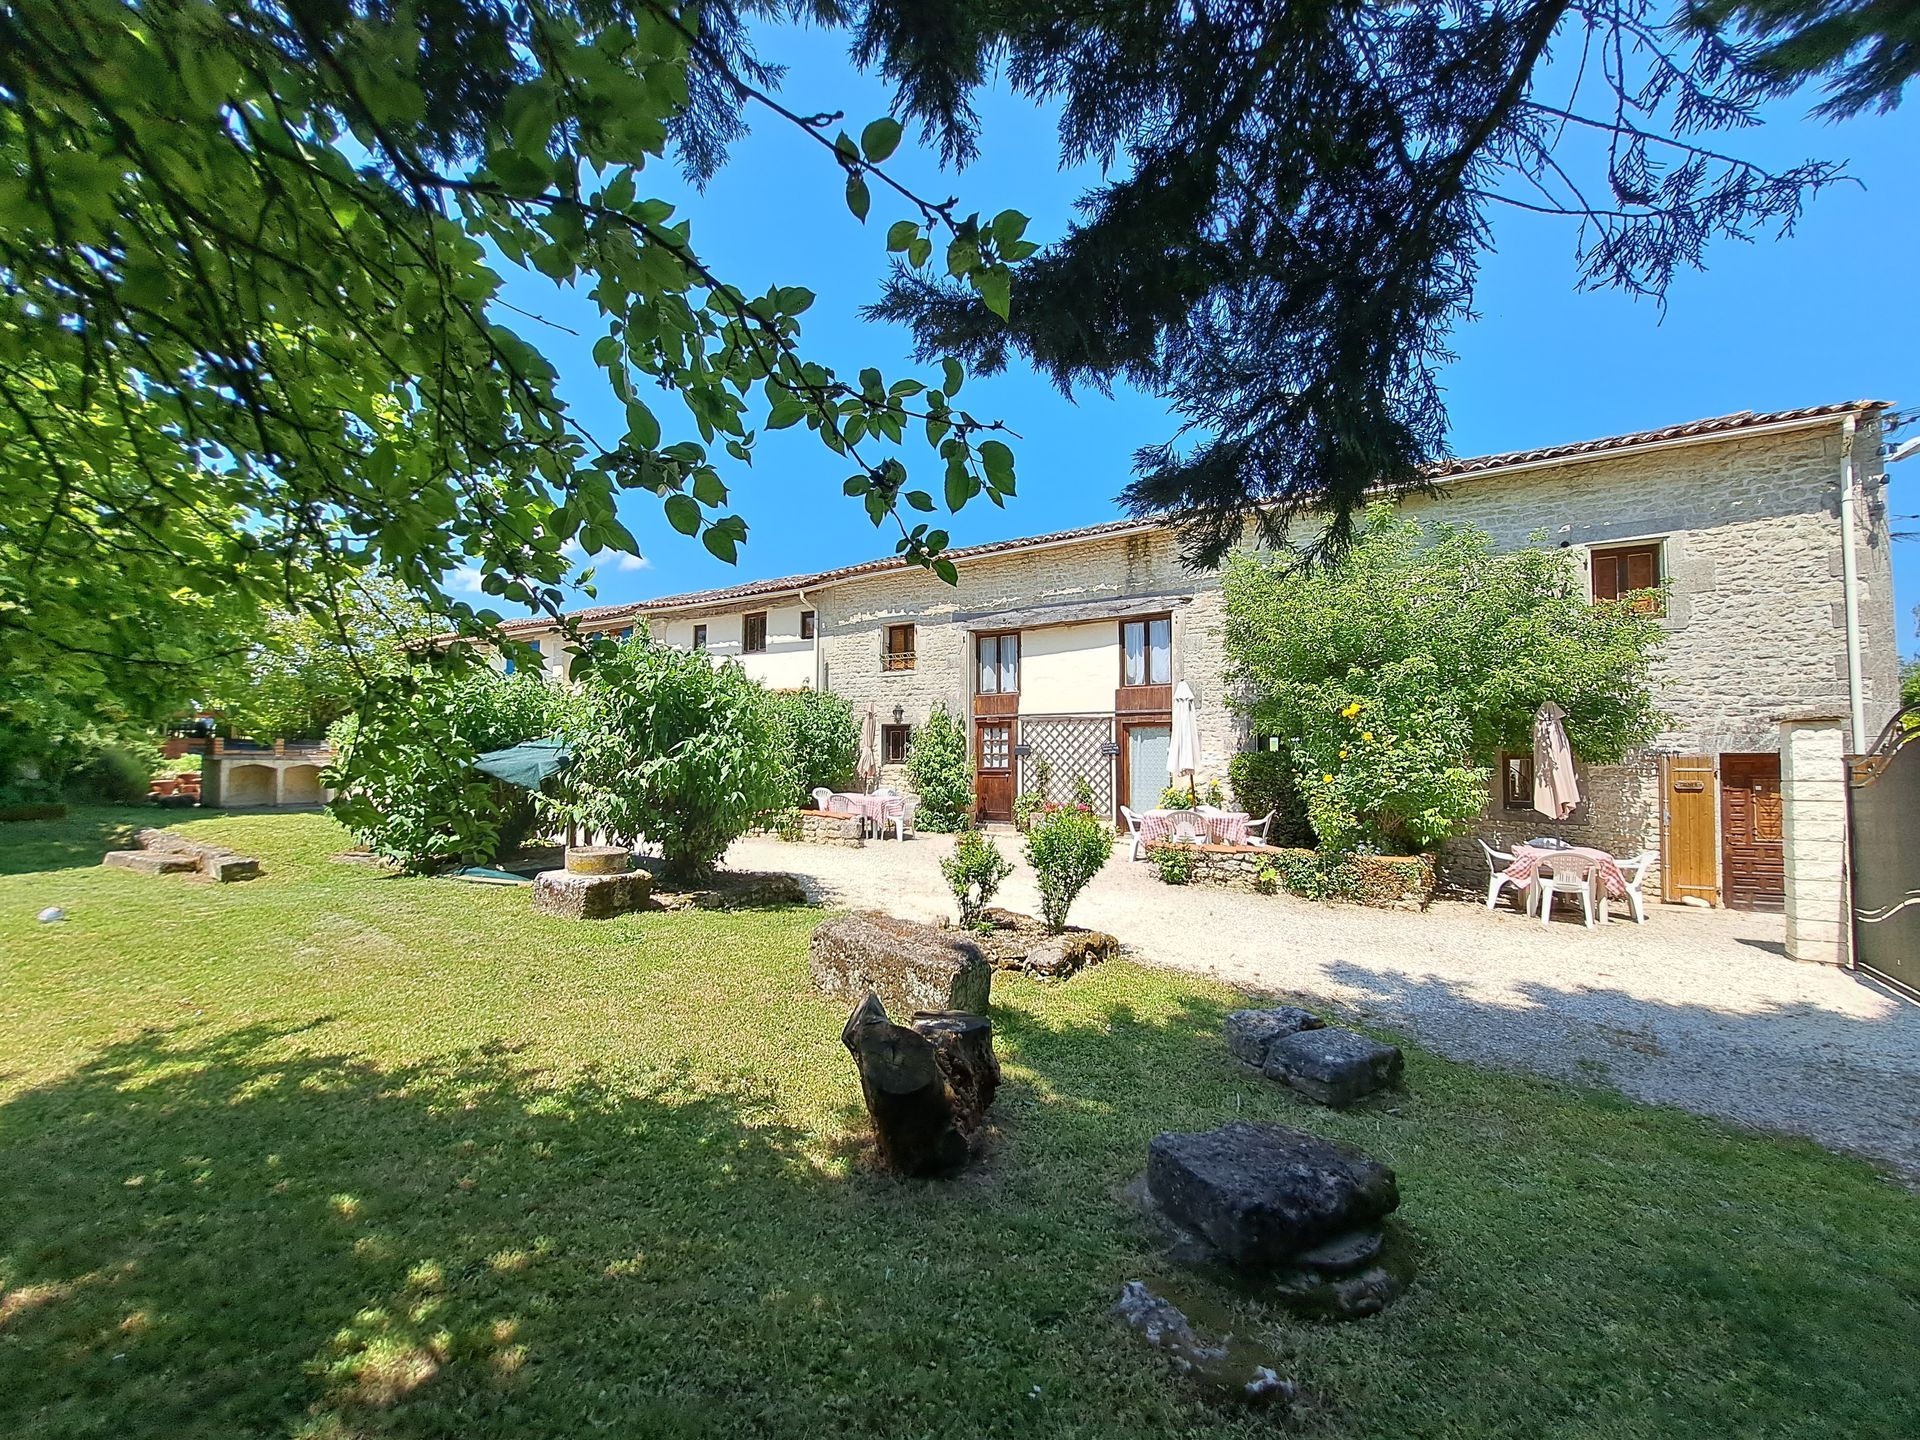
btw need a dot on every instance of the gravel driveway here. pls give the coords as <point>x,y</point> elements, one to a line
<point>1696,1008</point>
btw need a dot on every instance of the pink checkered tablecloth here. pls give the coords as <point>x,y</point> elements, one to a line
<point>878,808</point>
<point>1529,860</point>
<point>1220,828</point>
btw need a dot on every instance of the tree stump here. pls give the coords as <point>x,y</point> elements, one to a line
<point>926,1085</point>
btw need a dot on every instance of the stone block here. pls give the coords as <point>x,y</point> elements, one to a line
<point>1250,1033</point>
<point>1332,1066</point>
<point>589,897</point>
<point>909,966</point>
<point>225,869</point>
<point>150,862</point>
<point>1262,1194</point>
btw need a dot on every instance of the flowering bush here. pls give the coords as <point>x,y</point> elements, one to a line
<point>974,871</point>
<point>1066,847</point>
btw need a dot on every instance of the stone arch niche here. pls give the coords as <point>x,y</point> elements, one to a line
<point>247,785</point>
<point>300,785</point>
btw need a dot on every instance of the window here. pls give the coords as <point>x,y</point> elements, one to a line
<point>806,624</point>
<point>1516,782</point>
<point>998,657</point>
<point>753,633</point>
<point>627,634</point>
<point>699,637</point>
<point>1146,651</point>
<point>894,740</point>
<point>1625,569</point>
<point>899,654</point>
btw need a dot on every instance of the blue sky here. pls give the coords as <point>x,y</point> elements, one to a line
<point>1826,314</point>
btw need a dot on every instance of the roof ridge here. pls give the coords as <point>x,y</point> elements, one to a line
<point>1707,427</point>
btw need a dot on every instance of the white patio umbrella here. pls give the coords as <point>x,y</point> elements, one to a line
<point>1183,750</point>
<point>1556,790</point>
<point>869,764</point>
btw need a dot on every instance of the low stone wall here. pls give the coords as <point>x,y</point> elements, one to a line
<point>816,827</point>
<point>1399,882</point>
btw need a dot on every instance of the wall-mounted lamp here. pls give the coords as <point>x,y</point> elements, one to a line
<point>899,714</point>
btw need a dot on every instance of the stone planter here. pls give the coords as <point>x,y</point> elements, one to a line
<point>817,827</point>
<point>598,860</point>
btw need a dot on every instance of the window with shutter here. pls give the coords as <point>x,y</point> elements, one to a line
<point>899,654</point>
<point>1629,571</point>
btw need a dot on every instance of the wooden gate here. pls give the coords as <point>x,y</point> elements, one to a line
<point>1689,785</point>
<point>1883,830</point>
<point>1753,852</point>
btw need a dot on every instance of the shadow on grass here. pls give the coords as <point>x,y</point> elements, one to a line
<point>225,1235</point>
<point>74,843</point>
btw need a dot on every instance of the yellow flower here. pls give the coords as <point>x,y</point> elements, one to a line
<point>1343,754</point>
<point>1326,779</point>
<point>1366,735</point>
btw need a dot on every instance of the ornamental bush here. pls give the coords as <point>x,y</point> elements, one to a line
<point>1176,863</point>
<point>1263,781</point>
<point>940,765</point>
<point>974,871</point>
<point>1066,847</point>
<point>819,743</point>
<point>1397,674</point>
<point>408,787</point>
<point>668,745</point>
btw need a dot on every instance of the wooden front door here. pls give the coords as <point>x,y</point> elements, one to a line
<point>1688,786</point>
<point>1752,840</point>
<point>993,769</point>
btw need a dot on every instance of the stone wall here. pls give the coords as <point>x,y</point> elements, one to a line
<point>1399,882</point>
<point>816,827</point>
<point>1813,807</point>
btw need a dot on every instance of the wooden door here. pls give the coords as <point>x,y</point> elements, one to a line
<point>1752,840</point>
<point>1688,785</point>
<point>993,769</point>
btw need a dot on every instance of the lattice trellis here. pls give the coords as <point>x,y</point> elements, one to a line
<point>1073,746</point>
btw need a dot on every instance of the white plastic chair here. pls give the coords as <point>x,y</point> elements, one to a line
<point>1133,832</point>
<point>1188,827</point>
<point>1574,881</point>
<point>1634,872</point>
<point>837,805</point>
<point>1257,832</point>
<point>821,794</point>
<point>1498,879</point>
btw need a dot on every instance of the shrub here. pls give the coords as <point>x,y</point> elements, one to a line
<point>668,745</point>
<point>1026,806</point>
<point>1401,671</point>
<point>1083,792</point>
<point>1066,847</point>
<point>1175,863</point>
<point>940,764</point>
<point>115,775</point>
<point>819,742</point>
<point>974,871</point>
<point>1185,797</point>
<point>1267,881</point>
<point>1263,780</point>
<point>407,786</point>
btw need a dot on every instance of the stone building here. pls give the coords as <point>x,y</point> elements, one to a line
<point>1068,646</point>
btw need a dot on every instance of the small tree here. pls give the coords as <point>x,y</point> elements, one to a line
<point>668,745</point>
<point>1399,674</point>
<point>941,768</point>
<point>424,801</point>
<point>820,744</point>
<point>974,871</point>
<point>1066,848</point>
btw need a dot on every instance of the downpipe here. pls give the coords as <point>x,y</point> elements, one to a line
<point>1850,590</point>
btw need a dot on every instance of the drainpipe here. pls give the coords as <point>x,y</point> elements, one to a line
<point>1850,589</point>
<point>806,604</point>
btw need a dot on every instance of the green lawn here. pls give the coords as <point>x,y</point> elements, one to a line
<point>333,1154</point>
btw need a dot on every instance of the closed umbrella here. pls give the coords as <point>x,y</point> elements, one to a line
<point>1556,790</point>
<point>1183,750</point>
<point>869,747</point>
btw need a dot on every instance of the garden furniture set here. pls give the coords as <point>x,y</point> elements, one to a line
<point>877,810</point>
<point>1202,825</point>
<point>1542,870</point>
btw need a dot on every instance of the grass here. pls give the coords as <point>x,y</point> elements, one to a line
<point>332,1154</point>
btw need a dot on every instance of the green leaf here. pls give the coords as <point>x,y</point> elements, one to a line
<point>953,374</point>
<point>946,570</point>
<point>1007,227</point>
<point>683,513</point>
<point>880,139</point>
<point>642,429</point>
<point>789,411</point>
<point>919,500</point>
<point>994,284</point>
<point>856,485</point>
<point>709,488</point>
<point>858,200</point>
<point>720,544</point>
<point>997,460</point>
<point>962,257</point>
<point>920,252</point>
<point>901,234</point>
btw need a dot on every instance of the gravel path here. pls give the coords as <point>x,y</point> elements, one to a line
<point>1699,1009</point>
